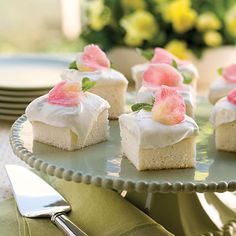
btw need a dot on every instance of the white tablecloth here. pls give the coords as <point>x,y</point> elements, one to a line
<point>6,157</point>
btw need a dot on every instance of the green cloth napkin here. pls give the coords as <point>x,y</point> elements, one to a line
<point>98,211</point>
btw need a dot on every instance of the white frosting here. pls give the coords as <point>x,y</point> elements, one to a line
<point>79,119</point>
<point>223,112</point>
<point>102,77</point>
<point>146,94</point>
<point>219,89</point>
<point>153,134</point>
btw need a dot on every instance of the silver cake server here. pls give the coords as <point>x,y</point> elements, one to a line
<point>36,198</point>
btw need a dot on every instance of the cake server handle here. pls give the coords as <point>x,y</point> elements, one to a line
<point>66,225</point>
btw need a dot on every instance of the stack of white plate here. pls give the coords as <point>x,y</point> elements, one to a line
<point>24,78</point>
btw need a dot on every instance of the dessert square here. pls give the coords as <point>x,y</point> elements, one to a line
<point>223,118</point>
<point>159,135</point>
<point>225,137</point>
<point>161,56</point>
<point>223,84</point>
<point>111,85</point>
<point>69,118</point>
<point>179,155</point>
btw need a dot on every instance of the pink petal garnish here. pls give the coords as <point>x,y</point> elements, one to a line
<point>162,74</point>
<point>169,106</point>
<point>232,96</point>
<point>163,56</point>
<point>229,73</point>
<point>65,93</point>
<point>92,59</point>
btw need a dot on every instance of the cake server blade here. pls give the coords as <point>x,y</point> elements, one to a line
<point>36,198</point>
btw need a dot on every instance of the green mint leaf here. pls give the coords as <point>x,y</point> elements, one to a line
<point>140,106</point>
<point>187,79</point>
<point>87,84</point>
<point>112,66</point>
<point>174,64</point>
<point>148,53</point>
<point>220,71</point>
<point>73,65</point>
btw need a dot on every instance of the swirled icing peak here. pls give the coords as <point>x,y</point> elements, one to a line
<point>92,59</point>
<point>163,56</point>
<point>169,106</point>
<point>65,93</point>
<point>162,74</point>
<point>229,73</point>
<point>232,96</point>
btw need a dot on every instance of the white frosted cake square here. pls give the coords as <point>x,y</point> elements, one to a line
<point>223,118</point>
<point>150,140</point>
<point>223,84</point>
<point>111,85</point>
<point>69,118</point>
<point>163,56</point>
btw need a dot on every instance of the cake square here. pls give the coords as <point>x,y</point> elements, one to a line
<point>68,117</point>
<point>179,155</point>
<point>159,135</point>
<point>225,137</point>
<point>111,85</point>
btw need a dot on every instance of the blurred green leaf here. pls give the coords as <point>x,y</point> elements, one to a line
<point>73,65</point>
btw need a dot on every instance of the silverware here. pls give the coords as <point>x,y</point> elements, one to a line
<point>36,198</point>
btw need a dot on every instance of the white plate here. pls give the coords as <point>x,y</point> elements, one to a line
<point>8,117</point>
<point>11,111</point>
<point>10,105</point>
<point>30,72</point>
<point>16,99</point>
<point>22,93</point>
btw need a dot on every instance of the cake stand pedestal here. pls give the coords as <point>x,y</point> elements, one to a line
<point>188,202</point>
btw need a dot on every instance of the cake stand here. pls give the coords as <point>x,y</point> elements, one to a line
<point>185,201</point>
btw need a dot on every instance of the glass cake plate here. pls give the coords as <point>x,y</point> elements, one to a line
<point>197,205</point>
<point>103,165</point>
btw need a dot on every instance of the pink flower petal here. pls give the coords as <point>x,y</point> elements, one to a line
<point>232,96</point>
<point>162,74</point>
<point>92,59</point>
<point>169,106</point>
<point>163,56</point>
<point>229,73</point>
<point>65,93</point>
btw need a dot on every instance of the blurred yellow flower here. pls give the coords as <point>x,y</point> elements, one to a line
<point>133,5</point>
<point>99,15</point>
<point>180,14</point>
<point>178,48</point>
<point>212,38</point>
<point>230,21</point>
<point>139,26</point>
<point>208,21</point>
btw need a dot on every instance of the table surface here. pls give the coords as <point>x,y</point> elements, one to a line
<point>6,157</point>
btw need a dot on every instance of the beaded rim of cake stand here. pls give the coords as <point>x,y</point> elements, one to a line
<point>106,182</point>
<point>228,229</point>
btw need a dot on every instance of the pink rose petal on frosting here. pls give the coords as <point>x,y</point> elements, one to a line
<point>66,93</point>
<point>163,56</point>
<point>162,74</point>
<point>229,73</point>
<point>169,106</point>
<point>92,59</point>
<point>232,96</point>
